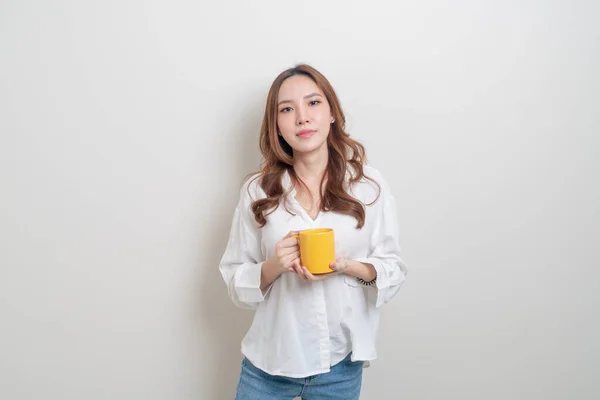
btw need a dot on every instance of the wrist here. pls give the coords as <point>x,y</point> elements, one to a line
<point>364,271</point>
<point>269,273</point>
<point>272,267</point>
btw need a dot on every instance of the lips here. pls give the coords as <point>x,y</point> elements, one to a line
<point>305,133</point>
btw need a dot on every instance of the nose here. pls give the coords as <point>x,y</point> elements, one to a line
<point>302,117</point>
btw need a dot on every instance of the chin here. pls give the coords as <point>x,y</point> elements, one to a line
<point>308,147</point>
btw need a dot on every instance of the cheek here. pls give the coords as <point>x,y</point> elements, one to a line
<point>285,122</point>
<point>323,117</point>
<point>286,128</point>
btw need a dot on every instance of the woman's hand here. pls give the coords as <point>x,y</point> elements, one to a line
<point>287,254</point>
<point>306,275</point>
<point>354,268</point>
<point>286,258</point>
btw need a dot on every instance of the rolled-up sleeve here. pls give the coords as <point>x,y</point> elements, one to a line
<point>384,249</point>
<point>241,264</point>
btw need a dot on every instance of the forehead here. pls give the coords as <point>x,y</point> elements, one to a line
<point>298,86</point>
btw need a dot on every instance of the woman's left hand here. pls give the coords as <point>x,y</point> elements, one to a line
<point>345,266</point>
<point>342,266</point>
<point>306,275</point>
<point>354,268</point>
<point>339,266</point>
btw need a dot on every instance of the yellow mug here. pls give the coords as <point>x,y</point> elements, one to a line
<point>317,249</point>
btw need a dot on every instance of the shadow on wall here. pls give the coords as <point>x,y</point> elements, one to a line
<point>220,320</point>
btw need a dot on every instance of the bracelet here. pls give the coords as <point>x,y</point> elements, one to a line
<point>367,283</point>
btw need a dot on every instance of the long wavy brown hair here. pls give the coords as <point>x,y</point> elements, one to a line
<point>345,156</point>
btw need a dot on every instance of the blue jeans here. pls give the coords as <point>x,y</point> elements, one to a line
<point>343,382</point>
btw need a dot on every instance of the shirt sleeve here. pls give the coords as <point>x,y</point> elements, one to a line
<point>384,250</point>
<point>241,264</point>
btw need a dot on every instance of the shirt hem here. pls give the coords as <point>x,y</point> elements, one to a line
<point>305,375</point>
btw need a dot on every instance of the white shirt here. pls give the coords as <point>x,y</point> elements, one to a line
<point>300,327</point>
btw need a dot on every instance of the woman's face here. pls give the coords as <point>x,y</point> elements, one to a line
<point>303,114</point>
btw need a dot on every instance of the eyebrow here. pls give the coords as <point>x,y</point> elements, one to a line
<point>306,97</point>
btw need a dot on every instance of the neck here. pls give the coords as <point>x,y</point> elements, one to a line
<point>311,166</point>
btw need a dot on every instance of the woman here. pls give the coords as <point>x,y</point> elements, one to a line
<point>311,335</point>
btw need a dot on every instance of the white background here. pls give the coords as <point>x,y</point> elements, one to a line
<point>127,127</point>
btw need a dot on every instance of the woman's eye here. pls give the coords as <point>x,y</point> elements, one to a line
<point>287,109</point>
<point>314,102</point>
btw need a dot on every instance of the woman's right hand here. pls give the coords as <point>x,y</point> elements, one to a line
<point>286,258</point>
<point>287,254</point>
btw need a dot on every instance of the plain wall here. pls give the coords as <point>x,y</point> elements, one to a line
<point>127,127</point>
